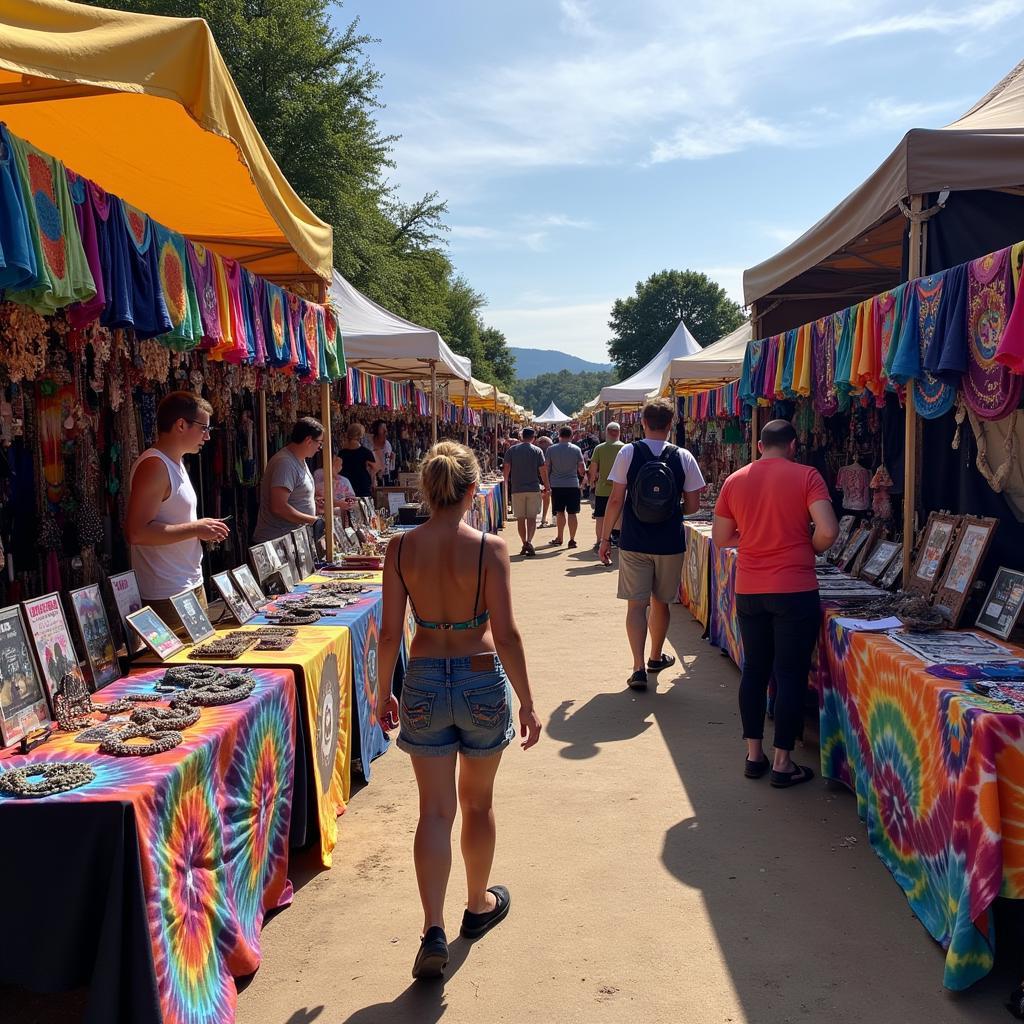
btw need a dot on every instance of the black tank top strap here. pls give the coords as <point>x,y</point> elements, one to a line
<point>479,572</point>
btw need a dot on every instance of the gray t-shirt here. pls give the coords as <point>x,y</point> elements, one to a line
<point>563,462</point>
<point>525,460</point>
<point>284,470</point>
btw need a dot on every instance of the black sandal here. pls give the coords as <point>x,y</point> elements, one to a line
<point>756,769</point>
<point>665,661</point>
<point>432,958</point>
<point>475,925</point>
<point>783,780</point>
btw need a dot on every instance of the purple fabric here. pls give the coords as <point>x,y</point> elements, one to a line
<point>83,313</point>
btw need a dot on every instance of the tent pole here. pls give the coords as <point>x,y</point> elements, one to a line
<point>261,402</point>
<point>328,457</point>
<point>915,268</point>
<point>675,415</point>
<point>465,410</point>
<point>433,401</point>
<point>495,428</point>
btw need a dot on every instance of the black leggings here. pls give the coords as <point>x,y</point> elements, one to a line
<point>779,632</point>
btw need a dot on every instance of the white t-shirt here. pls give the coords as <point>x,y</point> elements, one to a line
<point>693,479</point>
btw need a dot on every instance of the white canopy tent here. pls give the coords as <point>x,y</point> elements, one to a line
<point>552,414</point>
<point>719,363</point>
<point>635,389</point>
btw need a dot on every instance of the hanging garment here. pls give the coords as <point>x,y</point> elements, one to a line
<point>932,397</point>
<point>179,291</point>
<point>244,347</point>
<point>226,341</point>
<point>881,484</point>
<point>748,373</point>
<point>294,310</point>
<point>823,363</point>
<point>866,371</point>
<point>279,333</point>
<point>62,270</point>
<point>946,355</point>
<point>1010,352</point>
<point>802,362</point>
<point>311,338</point>
<point>335,346</point>
<point>990,390</point>
<point>254,309</point>
<point>771,368</point>
<point>200,263</point>
<point>854,481</point>
<point>845,327</point>
<point>18,266</point>
<point>83,313</point>
<point>785,389</point>
<point>889,309</point>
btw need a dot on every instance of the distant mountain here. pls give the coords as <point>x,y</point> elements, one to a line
<point>532,362</point>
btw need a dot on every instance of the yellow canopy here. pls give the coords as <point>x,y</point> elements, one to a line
<point>481,396</point>
<point>146,107</point>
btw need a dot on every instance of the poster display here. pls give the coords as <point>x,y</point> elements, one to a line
<point>52,642</point>
<point>22,700</point>
<point>93,627</point>
<point>128,599</point>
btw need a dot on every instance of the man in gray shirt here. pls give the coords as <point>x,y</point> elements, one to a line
<point>565,468</point>
<point>287,494</point>
<point>526,478</point>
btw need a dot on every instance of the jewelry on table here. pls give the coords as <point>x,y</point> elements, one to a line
<point>160,742</point>
<point>72,704</point>
<point>54,777</point>
<point>172,719</point>
<point>231,688</point>
<point>298,618</point>
<point>227,647</point>
<point>191,675</point>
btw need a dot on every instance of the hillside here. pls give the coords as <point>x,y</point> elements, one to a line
<point>532,362</point>
<point>567,390</point>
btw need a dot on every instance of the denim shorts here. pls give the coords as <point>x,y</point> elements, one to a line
<point>455,704</point>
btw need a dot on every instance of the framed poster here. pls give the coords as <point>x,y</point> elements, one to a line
<point>263,559</point>
<point>853,546</point>
<point>879,559</point>
<point>22,699</point>
<point>357,514</point>
<point>931,556</point>
<point>303,552</point>
<point>842,539</point>
<point>127,598</point>
<point>866,550</point>
<point>193,616</point>
<point>1003,603</point>
<point>93,627</point>
<point>893,572</point>
<point>247,584</point>
<point>233,598</point>
<point>286,554</point>
<point>51,640</point>
<point>968,552</point>
<point>154,632</point>
<point>352,537</point>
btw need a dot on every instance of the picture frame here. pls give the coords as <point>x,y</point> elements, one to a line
<point>51,642</point>
<point>357,514</point>
<point>936,541</point>
<point>284,547</point>
<point>1003,603</point>
<point>193,616</point>
<point>94,631</point>
<point>155,633</point>
<point>125,588</point>
<point>234,600</point>
<point>303,552</point>
<point>857,540</point>
<point>893,572</point>
<point>23,705</point>
<point>875,534</point>
<point>250,589</point>
<point>846,525</point>
<point>878,561</point>
<point>263,559</point>
<point>965,560</point>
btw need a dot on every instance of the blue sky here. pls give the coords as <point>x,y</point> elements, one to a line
<point>585,144</point>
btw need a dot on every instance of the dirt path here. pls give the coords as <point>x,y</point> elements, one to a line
<point>650,881</point>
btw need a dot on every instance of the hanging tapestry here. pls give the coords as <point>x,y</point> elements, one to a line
<point>823,362</point>
<point>18,268</point>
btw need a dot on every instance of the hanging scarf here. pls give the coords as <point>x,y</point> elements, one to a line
<point>823,363</point>
<point>80,314</point>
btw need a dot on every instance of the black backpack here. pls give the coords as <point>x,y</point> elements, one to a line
<point>654,489</point>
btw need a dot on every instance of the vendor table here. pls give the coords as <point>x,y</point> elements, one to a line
<point>489,507</point>
<point>150,883</point>
<point>938,772</point>
<point>694,591</point>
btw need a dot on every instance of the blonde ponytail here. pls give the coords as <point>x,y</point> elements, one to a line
<point>447,473</point>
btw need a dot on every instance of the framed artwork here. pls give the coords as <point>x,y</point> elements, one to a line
<point>154,632</point>
<point>263,559</point>
<point>931,556</point>
<point>193,616</point>
<point>235,602</point>
<point>1003,603</point>
<point>843,538</point>
<point>314,544</point>
<point>352,537</point>
<point>854,544</point>
<point>285,550</point>
<point>893,573</point>
<point>878,561</point>
<point>127,598</point>
<point>247,584</point>
<point>875,533</point>
<point>51,641</point>
<point>94,629</point>
<point>968,552</point>
<point>303,552</point>
<point>22,698</point>
<point>357,514</point>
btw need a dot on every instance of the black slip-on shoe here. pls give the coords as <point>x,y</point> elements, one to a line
<point>784,780</point>
<point>432,958</point>
<point>756,769</point>
<point>475,925</point>
<point>638,680</point>
<point>665,661</point>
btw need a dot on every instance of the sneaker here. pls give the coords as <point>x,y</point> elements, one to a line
<point>665,661</point>
<point>638,680</point>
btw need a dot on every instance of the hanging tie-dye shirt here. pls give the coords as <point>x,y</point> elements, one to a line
<point>200,262</point>
<point>179,291</point>
<point>82,313</point>
<point>18,266</point>
<point>946,355</point>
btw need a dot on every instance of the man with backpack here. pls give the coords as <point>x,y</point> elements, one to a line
<point>653,484</point>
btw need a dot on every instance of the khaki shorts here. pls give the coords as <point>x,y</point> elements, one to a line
<point>642,576</point>
<point>526,504</point>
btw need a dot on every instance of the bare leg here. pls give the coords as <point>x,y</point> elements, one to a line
<point>573,525</point>
<point>546,508</point>
<point>521,524</point>
<point>598,527</point>
<point>636,630</point>
<point>432,850</point>
<point>476,798</point>
<point>657,623</point>
<point>560,520</point>
<point>531,529</point>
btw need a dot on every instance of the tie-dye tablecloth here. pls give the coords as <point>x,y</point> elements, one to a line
<point>938,773</point>
<point>695,590</point>
<point>150,884</point>
<point>723,625</point>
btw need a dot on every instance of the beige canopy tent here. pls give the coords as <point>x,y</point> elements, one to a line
<point>856,250</point>
<point>146,107</point>
<point>720,363</point>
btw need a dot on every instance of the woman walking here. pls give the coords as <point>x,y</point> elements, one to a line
<point>456,701</point>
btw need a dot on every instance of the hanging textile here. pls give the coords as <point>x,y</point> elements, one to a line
<point>254,309</point>
<point>946,355</point>
<point>80,314</point>
<point>279,333</point>
<point>990,390</point>
<point>293,309</point>
<point>932,397</point>
<point>752,358</point>
<point>889,310</point>
<point>18,266</point>
<point>802,362</point>
<point>1010,352</point>
<point>334,346</point>
<point>244,347</point>
<point>312,337</point>
<point>823,363</point>
<point>200,261</point>
<point>788,358</point>
<point>845,328</point>
<point>179,292</point>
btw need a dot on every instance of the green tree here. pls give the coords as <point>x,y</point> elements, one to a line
<point>500,360</point>
<point>644,321</point>
<point>569,391</point>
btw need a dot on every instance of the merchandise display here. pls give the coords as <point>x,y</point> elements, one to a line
<point>45,778</point>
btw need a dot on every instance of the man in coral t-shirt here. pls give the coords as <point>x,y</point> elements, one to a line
<point>766,510</point>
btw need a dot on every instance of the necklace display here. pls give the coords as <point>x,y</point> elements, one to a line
<point>226,688</point>
<point>297,618</point>
<point>53,777</point>
<point>160,741</point>
<point>72,704</point>
<point>227,647</point>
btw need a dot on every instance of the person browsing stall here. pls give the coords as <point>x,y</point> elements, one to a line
<point>456,704</point>
<point>653,484</point>
<point>287,491</point>
<point>161,525</point>
<point>565,468</point>
<point>357,461</point>
<point>766,510</point>
<point>344,495</point>
<point>526,479</point>
<point>543,441</point>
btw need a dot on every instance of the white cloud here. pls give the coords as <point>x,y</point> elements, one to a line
<point>580,329</point>
<point>698,140</point>
<point>976,18</point>
<point>531,231</point>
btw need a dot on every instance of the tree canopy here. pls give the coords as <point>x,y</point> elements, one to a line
<point>567,390</point>
<point>312,92</point>
<point>644,321</point>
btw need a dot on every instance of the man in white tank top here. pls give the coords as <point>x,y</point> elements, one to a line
<point>161,525</point>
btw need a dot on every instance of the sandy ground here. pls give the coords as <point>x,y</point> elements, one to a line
<point>650,881</point>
